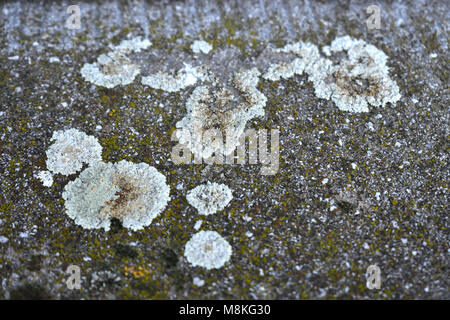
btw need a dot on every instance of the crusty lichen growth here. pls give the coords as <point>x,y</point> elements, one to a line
<point>71,149</point>
<point>209,198</point>
<point>133,193</point>
<point>353,82</point>
<point>207,249</point>
<point>215,112</point>
<point>115,68</point>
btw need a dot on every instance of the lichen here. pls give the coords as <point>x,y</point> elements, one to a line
<point>217,111</point>
<point>207,249</point>
<point>71,149</point>
<point>115,68</point>
<point>133,193</point>
<point>172,82</point>
<point>201,46</point>
<point>358,77</point>
<point>209,198</point>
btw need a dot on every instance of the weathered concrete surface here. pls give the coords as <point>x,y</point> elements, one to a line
<point>387,170</point>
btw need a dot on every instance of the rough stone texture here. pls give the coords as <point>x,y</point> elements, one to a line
<point>352,189</point>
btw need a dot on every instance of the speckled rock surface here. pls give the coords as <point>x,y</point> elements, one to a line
<point>352,189</point>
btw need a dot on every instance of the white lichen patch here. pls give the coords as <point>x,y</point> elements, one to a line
<point>201,46</point>
<point>71,149</point>
<point>115,68</point>
<point>207,249</point>
<point>209,198</point>
<point>358,77</point>
<point>46,178</point>
<point>133,45</point>
<point>133,193</point>
<point>173,82</point>
<point>219,113</point>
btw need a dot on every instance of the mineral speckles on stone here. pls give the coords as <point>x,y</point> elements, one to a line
<point>209,198</point>
<point>133,193</point>
<point>183,78</point>
<point>110,70</point>
<point>360,79</point>
<point>115,68</point>
<point>218,109</point>
<point>207,249</point>
<point>46,177</point>
<point>71,149</point>
<point>201,46</point>
<point>356,79</point>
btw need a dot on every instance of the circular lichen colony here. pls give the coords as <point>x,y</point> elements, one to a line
<point>207,249</point>
<point>133,193</point>
<point>71,149</point>
<point>209,198</point>
<point>215,112</point>
<point>110,70</point>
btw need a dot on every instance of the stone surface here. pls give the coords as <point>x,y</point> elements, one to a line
<point>352,189</point>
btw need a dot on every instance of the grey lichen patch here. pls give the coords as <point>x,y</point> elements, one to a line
<point>353,76</point>
<point>207,249</point>
<point>201,46</point>
<point>358,80</point>
<point>133,193</point>
<point>307,53</point>
<point>172,82</point>
<point>115,68</point>
<point>209,198</point>
<point>71,149</point>
<point>218,112</point>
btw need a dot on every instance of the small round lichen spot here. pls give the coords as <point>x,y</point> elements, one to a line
<point>133,193</point>
<point>215,108</point>
<point>207,249</point>
<point>46,178</point>
<point>353,75</point>
<point>209,198</point>
<point>143,194</point>
<point>175,81</point>
<point>71,149</point>
<point>201,46</point>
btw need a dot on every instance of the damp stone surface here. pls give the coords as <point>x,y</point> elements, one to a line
<point>69,151</point>
<point>215,113</point>
<point>353,189</point>
<point>207,249</point>
<point>115,67</point>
